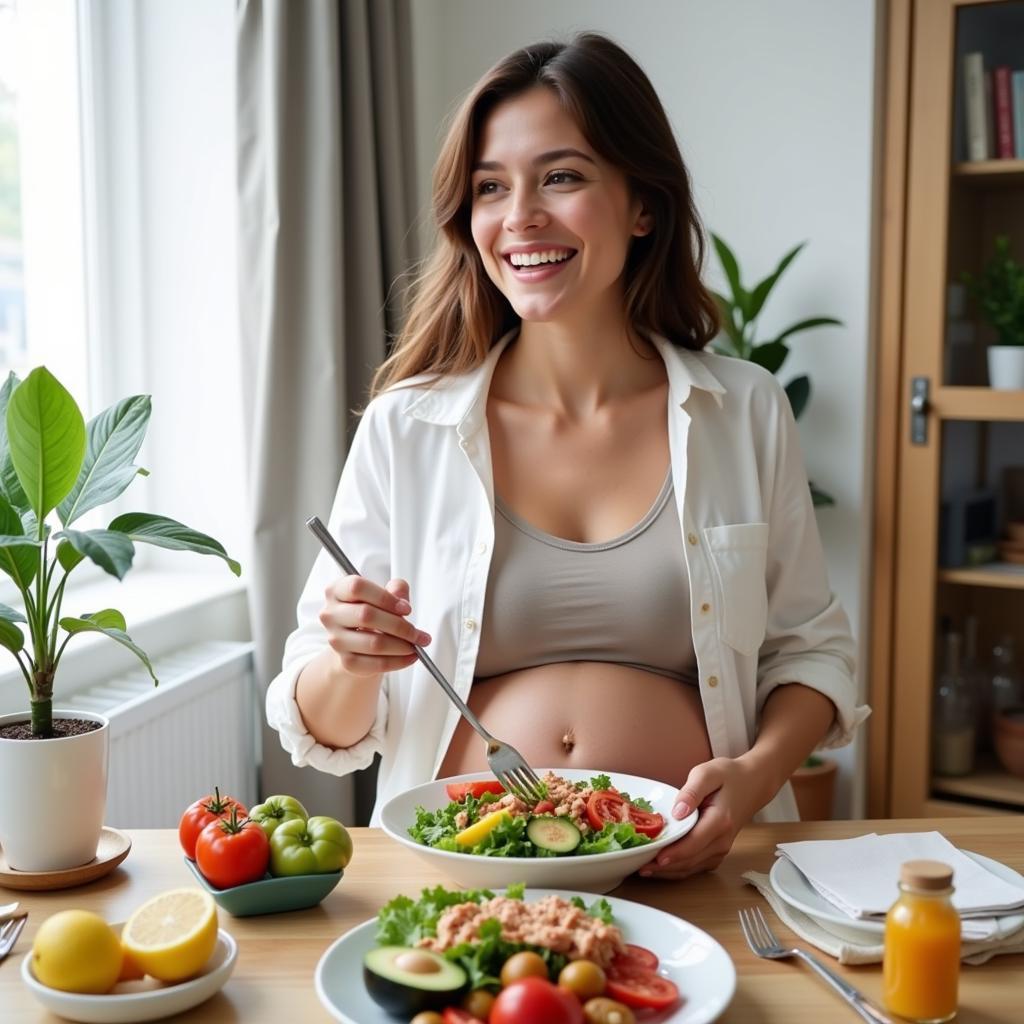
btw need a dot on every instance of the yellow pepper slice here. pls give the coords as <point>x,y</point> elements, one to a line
<point>475,833</point>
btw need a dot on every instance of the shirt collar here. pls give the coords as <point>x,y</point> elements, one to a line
<point>459,400</point>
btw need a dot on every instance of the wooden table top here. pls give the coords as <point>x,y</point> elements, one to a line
<point>273,979</point>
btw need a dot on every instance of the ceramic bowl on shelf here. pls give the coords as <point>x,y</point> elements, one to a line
<point>270,895</point>
<point>1008,739</point>
<point>597,872</point>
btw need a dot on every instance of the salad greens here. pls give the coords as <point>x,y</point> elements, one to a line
<point>404,921</point>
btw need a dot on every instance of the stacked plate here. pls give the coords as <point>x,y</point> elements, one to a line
<point>793,888</point>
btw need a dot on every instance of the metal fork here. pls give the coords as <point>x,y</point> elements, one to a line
<point>509,766</point>
<point>762,941</point>
<point>9,932</point>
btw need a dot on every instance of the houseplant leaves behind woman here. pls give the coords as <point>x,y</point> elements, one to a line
<point>739,313</point>
<point>51,460</point>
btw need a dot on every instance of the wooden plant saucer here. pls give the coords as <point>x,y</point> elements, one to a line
<point>113,848</point>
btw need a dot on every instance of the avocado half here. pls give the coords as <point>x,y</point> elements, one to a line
<point>403,980</point>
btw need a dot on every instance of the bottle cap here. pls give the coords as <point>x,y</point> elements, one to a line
<point>931,875</point>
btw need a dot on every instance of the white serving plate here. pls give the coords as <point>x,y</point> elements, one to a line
<point>792,887</point>
<point>142,1000</point>
<point>691,958</point>
<point>599,872</point>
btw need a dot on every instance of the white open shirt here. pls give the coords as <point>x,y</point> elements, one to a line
<point>416,502</point>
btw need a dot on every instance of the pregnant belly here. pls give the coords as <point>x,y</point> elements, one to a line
<point>587,714</point>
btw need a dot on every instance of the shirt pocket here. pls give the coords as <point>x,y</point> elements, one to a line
<point>738,560</point>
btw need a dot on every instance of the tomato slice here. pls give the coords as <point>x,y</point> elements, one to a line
<point>606,805</point>
<point>458,791</point>
<point>641,989</point>
<point>645,822</point>
<point>635,958</point>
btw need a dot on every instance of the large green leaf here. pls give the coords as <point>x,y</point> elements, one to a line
<point>167,533</point>
<point>68,556</point>
<point>770,355</point>
<point>806,325</point>
<point>732,273</point>
<point>11,637</point>
<point>111,550</point>
<point>10,485</point>
<point>19,555</point>
<point>9,614</point>
<point>820,498</point>
<point>110,622</point>
<point>726,311</point>
<point>798,390</point>
<point>46,434</point>
<point>760,294</point>
<point>113,439</point>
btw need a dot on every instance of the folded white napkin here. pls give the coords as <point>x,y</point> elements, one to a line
<point>847,952</point>
<point>858,876</point>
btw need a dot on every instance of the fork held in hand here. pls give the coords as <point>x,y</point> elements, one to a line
<point>762,941</point>
<point>509,766</point>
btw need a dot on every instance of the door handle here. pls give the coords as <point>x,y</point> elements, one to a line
<point>919,408</point>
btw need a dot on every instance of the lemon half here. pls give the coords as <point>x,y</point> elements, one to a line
<point>172,935</point>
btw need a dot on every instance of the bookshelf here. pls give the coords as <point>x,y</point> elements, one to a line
<point>941,214</point>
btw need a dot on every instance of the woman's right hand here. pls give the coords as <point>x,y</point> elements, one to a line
<point>366,625</point>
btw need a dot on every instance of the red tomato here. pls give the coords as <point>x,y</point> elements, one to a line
<point>456,1015</point>
<point>232,852</point>
<point>646,822</point>
<point>544,807</point>
<point>640,989</point>
<point>457,790</point>
<point>200,814</point>
<point>606,805</point>
<point>635,957</point>
<point>535,1001</point>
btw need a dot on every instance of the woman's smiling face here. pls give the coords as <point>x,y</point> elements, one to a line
<point>552,220</point>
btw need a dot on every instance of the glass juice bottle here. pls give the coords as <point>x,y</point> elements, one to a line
<point>921,961</point>
<point>954,718</point>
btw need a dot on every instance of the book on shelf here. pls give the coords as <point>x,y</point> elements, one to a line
<point>979,138</point>
<point>1017,92</point>
<point>1003,112</point>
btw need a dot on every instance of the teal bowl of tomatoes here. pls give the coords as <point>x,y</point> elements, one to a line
<point>270,895</point>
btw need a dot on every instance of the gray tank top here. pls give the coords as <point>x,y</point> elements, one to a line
<point>625,600</point>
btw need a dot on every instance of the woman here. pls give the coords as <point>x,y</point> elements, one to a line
<point>604,535</point>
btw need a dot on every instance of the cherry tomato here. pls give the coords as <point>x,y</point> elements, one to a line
<point>635,958</point>
<point>232,852</point>
<point>535,1001</point>
<point>606,805</point>
<point>640,989</point>
<point>544,807</point>
<point>456,1015</point>
<point>200,814</point>
<point>458,791</point>
<point>646,823</point>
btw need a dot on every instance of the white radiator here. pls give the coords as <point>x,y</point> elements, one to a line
<point>171,744</point>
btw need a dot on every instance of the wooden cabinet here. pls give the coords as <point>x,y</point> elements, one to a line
<point>939,216</point>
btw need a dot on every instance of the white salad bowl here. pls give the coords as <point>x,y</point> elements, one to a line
<point>596,872</point>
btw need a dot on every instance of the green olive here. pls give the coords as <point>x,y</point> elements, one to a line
<point>583,978</point>
<point>607,1011</point>
<point>523,965</point>
<point>478,1003</point>
<point>427,1017</point>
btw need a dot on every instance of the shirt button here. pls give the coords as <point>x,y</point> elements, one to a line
<point>712,680</point>
<point>470,625</point>
<point>705,607</point>
<point>467,446</point>
<point>481,548</point>
<point>692,538</point>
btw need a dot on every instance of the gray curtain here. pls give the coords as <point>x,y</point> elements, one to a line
<point>325,228</point>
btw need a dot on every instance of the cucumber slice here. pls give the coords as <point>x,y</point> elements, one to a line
<point>559,835</point>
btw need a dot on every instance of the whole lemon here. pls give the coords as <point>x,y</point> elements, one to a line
<point>77,951</point>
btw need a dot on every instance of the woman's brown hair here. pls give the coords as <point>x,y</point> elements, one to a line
<point>457,313</point>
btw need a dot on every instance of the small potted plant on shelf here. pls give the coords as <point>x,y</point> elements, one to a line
<point>54,763</point>
<point>814,786</point>
<point>740,311</point>
<point>999,293</point>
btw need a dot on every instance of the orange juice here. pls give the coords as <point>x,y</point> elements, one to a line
<point>921,965</point>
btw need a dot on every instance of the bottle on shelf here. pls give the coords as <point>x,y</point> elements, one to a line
<point>981,685</point>
<point>1007,689</point>
<point>954,718</point>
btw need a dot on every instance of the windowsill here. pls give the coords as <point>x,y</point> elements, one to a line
<point>164,610</point>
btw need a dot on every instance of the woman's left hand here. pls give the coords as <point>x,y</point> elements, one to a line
<point>728,797</point>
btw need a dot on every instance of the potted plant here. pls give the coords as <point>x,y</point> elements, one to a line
<point>740,311</point>
<point>53,764</point>
<point>999,293</point>
<point>814,786</point>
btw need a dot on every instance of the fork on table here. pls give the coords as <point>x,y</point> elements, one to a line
<point>509,766</point>
<point>762,942</point>
<point>9,932</point>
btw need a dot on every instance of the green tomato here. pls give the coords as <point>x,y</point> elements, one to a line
<point>276,810</point>
<point>310,847</point>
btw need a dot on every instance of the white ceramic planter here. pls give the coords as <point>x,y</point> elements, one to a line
<point>53,795</point>
<point>1006,367</point>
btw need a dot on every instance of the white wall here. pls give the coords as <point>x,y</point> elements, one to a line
<point>772,104</point>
